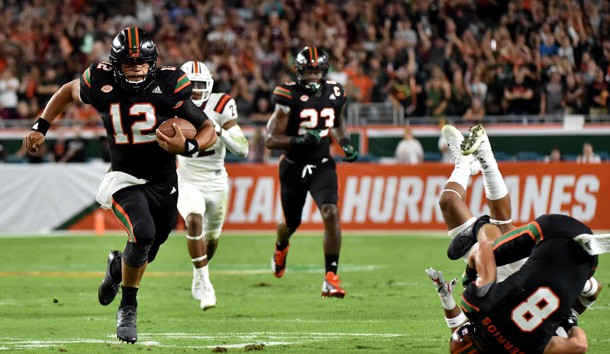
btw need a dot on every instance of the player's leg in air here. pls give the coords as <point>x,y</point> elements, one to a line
<point>476,151</point>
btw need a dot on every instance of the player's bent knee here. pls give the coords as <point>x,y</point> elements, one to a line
<point>135,254</point>
<point>329,211</point>
<point>144,233</point>
<point>194,223</point>
<point>447,199</point>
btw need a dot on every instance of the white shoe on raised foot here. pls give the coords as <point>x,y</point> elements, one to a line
<point>197,286</point>
<point>477,145</point>
<point>454,139</point>
<point>208,297</point>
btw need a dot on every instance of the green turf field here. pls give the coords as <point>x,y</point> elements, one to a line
<point>48,298</point>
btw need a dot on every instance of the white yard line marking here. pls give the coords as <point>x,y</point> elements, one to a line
<point>167,340</point>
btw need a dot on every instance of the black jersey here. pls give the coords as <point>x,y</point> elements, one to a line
<point>131,118</point>
<point>310,111</point>
<point>522,313</point>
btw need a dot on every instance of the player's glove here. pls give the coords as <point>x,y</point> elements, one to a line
<point>570,321</point>
<point>351,154</point>
<point>310,138</point>
<point>443,288</point>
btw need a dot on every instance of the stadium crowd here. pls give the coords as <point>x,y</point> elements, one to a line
<point>433,57</point>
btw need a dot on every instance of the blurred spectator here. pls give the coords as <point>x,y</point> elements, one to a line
<point>460,99</point>
<point>552,97</point>
<point>476,111</point>
<point>40,156</point>
<point>438,93</point>
<point>587,155</point>
<point>9,84</point>
<point>598,93</point>
<point>519,94</point>
<point>409,150</point>
<point>554,156</point>
<point>403,90</point>
<point>72,149</point>
<point>575,100</point>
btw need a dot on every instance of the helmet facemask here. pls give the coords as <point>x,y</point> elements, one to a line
<point>311,66</point>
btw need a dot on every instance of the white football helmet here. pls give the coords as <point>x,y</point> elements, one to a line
<point>202,81</point>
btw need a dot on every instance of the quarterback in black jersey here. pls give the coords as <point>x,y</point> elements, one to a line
<point>306,114</point>
<point>134,97</point>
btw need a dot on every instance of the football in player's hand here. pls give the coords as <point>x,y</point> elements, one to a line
<point>188,129</point>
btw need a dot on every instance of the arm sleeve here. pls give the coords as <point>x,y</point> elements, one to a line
<point>235,140</point>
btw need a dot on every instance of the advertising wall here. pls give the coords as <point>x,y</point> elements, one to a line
<point>39,199</point>
<point>402,198</point>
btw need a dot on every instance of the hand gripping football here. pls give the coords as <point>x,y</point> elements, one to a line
<point>188,129</point>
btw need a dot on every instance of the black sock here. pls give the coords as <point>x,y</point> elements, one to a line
<point>281,245</point>
<point>332,262</point>
<point>129,296</point>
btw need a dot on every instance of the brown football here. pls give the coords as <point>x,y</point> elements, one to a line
<point>188,129</point>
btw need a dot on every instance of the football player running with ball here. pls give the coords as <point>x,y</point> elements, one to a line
<point>306,114</point>
<point>203,182</point>
<point>134,97</point>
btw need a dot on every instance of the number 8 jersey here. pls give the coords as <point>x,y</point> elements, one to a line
<point>131,118</point>
<point>310,110</point>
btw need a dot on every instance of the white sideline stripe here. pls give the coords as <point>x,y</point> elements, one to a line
<point>153,339</point>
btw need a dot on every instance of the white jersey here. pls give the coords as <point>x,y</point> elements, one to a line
<point>210,164</point>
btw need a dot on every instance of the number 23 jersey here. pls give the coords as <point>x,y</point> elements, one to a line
<point>308,110</point>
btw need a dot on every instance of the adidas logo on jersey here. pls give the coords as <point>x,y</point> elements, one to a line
<point>157,90</point>
<point>332,96</point>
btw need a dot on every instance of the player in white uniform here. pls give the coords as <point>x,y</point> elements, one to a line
<point>203,182</point>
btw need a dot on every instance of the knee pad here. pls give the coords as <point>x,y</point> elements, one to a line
<point>135,254</point>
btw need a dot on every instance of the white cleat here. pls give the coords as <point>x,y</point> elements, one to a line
<point>197,287</point>
<point>208,297</point>
<point>477,145</point>
<point>454,139</point>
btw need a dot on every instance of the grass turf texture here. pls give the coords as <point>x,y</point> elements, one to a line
<point>48,298</point>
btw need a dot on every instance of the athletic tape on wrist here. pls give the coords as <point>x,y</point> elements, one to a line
<point>42,125</point>
<point>456,321</point>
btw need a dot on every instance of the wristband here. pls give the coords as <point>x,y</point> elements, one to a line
<point>42,125</point>
<point>191,146</point>
<point>345,141</point>
<point>456,321</point>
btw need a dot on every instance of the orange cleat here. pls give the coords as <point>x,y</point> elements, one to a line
<point>278,261</point>
<point>331,287</point>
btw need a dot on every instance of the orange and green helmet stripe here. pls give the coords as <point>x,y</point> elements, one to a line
<point>133,42</point>
<point>313,55</point>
